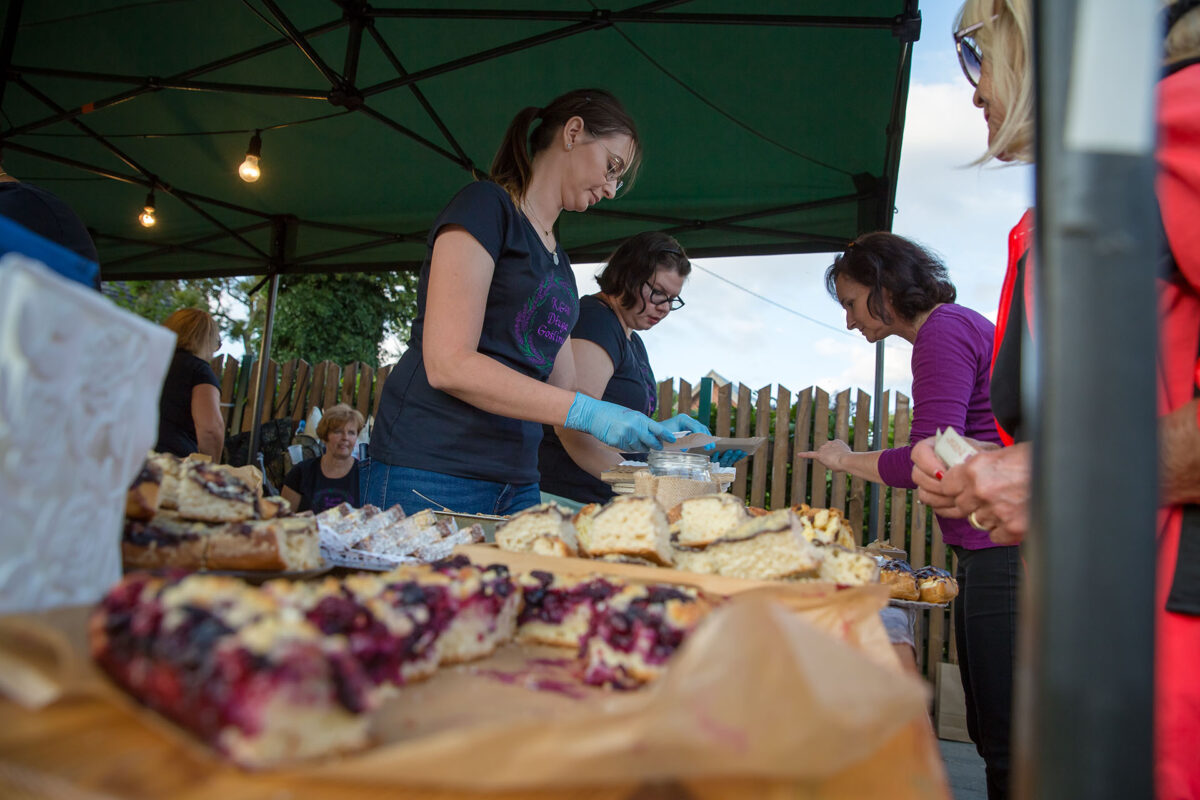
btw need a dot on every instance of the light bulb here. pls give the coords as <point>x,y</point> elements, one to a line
<point>147,217</point>
<point>249,170</point>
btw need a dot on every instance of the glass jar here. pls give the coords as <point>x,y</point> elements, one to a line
<point>678,464</point>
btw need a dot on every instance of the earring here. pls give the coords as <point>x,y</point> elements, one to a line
<point>570,146</point>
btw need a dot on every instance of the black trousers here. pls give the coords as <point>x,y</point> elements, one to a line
<point>985,633</point>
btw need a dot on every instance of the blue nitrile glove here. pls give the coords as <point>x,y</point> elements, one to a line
<point>682,423</point>
<point>616,426</point>
<point>729,457</point>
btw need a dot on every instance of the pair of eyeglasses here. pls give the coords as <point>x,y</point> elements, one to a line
<point>658,298</point>
<point>969,56</point>
<point>616,167</point>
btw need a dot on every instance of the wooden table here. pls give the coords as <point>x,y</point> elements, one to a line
<point>86,749</point>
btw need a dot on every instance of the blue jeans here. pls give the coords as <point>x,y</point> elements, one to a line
<point>387,485</point>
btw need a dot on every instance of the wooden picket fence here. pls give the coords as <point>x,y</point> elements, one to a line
<point>773,478</point>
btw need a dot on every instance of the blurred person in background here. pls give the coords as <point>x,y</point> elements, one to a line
<point>189,409</point>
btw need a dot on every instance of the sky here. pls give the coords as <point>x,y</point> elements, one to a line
<point>962,212</point>
<point>959,211</point>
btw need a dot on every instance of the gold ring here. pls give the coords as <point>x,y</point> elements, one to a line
<point>975,522</point>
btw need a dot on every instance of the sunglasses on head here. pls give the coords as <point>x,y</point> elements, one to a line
<point>969,56</point>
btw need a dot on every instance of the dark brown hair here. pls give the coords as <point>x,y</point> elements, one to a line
<point>635,262</point>
<point>602,115</point>
<point>915,279</point>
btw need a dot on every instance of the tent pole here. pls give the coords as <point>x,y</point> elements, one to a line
<point>12,21</point>
<point>282,245</point>
<point>1085,700</point>
<point>879,442</point>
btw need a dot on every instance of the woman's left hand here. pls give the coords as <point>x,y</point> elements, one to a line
<point>682,423</point>
<point>829,455</point>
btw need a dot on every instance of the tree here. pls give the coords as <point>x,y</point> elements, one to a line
<point>336,317</point>
<point>343,317</point>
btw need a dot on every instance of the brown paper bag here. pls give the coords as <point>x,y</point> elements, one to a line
<point>757,691</point>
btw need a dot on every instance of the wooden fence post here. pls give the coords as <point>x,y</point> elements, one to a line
<point>820,437</point>
<point>862,433</point>
<point>781,450</point>
<point>685,398</point>
<point>804,412</point>
<point>762,427</point>
<point>666,399</point>
<point>381,376</point>
<point>724,410</point>
<point>841,430</point>
<point>742,430</point>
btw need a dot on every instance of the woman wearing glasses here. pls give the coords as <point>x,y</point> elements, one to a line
<point>461,414</point>
<point>992,489</point>
<point>639,287</point>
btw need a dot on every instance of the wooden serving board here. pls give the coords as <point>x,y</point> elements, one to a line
<point>86,749</point>
<point>713,584</point>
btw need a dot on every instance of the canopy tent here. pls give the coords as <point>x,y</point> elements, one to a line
<point>768,127</point>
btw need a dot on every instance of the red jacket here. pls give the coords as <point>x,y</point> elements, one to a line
<point>1177,657</point>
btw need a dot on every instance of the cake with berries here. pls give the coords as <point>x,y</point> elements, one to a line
<point>898,576</point>
<point>221,660</point>
<point>636,631</point>
<point>214,494</point>
<point>558,609</point>
<point>936,585</point>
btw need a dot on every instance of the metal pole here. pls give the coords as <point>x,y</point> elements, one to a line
<point>282,244</point>
<point>1084,679</point>
<point>878,442</point>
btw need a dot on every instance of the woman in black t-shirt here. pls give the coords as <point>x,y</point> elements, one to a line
<point>460,417</point>
<point>189,409</point>
<point>332,478</point>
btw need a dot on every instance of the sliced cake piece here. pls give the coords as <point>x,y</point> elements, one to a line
<point>693,559</point>
<point>171,467</point>
<point>382,635</point>
<point>901,581</point>
<point>628,525</point>
<point>637,631</point>
<point>222,660</point>
<point>847,567</point>
<point>403,537</point>
<point>486,602</point>
<point>936,585</point>
<point>704,519</point>
<point>558,609</point>
<point>214,494</point>
<point>166,540</point>
<point>546,529</point>
<point>825,526</point>
<point>141,501</point>
<point>286,543</point>
<point>765,548</point>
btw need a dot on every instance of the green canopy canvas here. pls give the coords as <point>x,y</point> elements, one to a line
<point>771,126</point>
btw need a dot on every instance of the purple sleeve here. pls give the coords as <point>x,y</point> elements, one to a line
<point>944,365</point>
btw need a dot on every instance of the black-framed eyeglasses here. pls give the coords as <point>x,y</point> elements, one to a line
<point>657,298</point>
<point>969,56</point>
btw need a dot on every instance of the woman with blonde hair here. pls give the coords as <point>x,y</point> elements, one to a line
<point>461,415</point>
<point>189,409</point>
<point>332,478</point>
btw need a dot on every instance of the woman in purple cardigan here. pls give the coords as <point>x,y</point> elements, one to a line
<point>890,286</point>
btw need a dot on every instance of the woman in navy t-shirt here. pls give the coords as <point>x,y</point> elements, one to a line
<point>461,414</point>
<point>189,408</point>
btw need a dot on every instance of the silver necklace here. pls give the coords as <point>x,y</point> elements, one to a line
<point>530,216</point>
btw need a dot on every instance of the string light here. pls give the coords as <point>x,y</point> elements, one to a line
<point>147,217</point>
<point>249,170</point>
